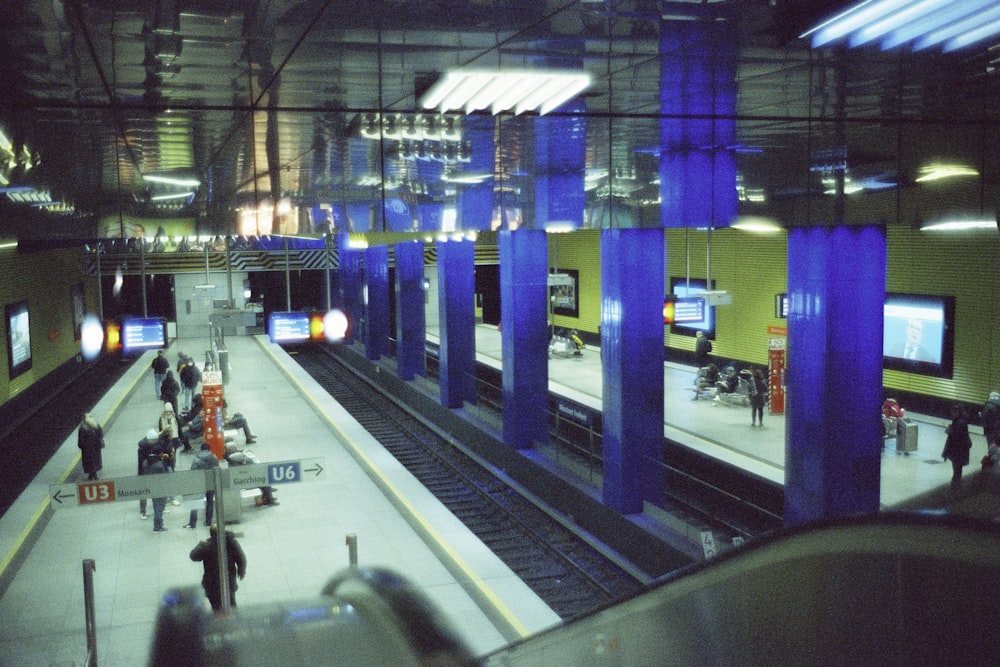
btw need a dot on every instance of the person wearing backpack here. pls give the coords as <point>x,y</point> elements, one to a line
<point>190,377</point>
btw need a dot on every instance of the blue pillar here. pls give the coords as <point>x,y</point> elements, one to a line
<point>560,152</point>
<point>833,428</point>
<point>698,130</point>
<point>377,305</point>
<point>524,336</point>
<point>410,320</point>
<point>474,201</point>
<point>351,286</point>
<point>456,297</point>
<point>632,288</point>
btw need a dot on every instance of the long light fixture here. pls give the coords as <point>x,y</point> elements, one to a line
<point>921,24</point>
<point>503,90</point>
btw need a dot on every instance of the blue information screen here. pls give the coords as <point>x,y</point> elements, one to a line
<point>288,327</point>
<point>142,333</point>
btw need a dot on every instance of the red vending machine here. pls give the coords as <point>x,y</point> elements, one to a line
<point>211,392</point>
<point>776,375</point>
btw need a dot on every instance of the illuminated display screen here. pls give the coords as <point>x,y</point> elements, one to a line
<point>683,309</point>
<point>918,333</point>
<point>781,306</point>
<point>139,334</point>
<point>288,327</point>
<point>688,289</point>
<point>18,339</point>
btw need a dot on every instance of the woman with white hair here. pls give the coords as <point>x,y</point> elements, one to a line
<point>90,440</point>
<point>990,416</point>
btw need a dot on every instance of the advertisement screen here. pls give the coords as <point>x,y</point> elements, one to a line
<point>18,339</point>
<point>918,333</point>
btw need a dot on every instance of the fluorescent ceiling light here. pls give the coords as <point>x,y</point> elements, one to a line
<point>502,90</point>
<point>179,195</point>
<point>936,172</point>
<point>168,180</point>
<point>757,223</point>
<point>954,24</point>
<point>958,225</point>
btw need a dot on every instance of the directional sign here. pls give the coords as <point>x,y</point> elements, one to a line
<point>102,491</point>
<point>137,487</point>
<point>279,472</point>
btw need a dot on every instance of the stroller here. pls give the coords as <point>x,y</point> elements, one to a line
<point>566,343</point>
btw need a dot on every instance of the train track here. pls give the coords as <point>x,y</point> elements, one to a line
<point>560,566</point>
<point>39,421</point>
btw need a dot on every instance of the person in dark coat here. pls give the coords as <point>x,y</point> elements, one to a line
<point>957,445</point>
<point>204,460</point>
<point>145,450</point>
<point>170,390</point>
<point>990,416</point>
<point>160,367</point>
<point>157,463</point>
<point>90,440</point>
<point>757,393</point>
<point>207,551</point>
<point>190,376</point>
<point>702,348</point>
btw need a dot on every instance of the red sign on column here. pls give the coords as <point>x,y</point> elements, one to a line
<point>213,412</point>
<point>776,375</point>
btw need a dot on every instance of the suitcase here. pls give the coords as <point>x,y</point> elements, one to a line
<point>906,436</point>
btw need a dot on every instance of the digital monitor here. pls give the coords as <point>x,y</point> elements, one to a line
<point>288,327</point>
<point>781,305</point>
<point>139,334</point>
<point>919,333</point>
<point>18,339</point>
<point>683,310</point>
<point>685,288</point>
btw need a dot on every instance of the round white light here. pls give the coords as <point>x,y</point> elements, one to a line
<point>91,337</point>
<point>335,325</point>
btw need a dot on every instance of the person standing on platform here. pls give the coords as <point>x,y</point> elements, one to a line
<point>957,445</point>
<point>145,451</point>
<point>90,440</point>
<point>990,416</point>
<point>757,393</point>
<point>207,551</point>
<point>204,460</point>
<point>189,376</point>
<point>170,390</point>
<point>157,464</point>
<point>702,349</point>
<point>160,367</point>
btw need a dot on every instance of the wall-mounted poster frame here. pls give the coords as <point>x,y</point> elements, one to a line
<point>565,297</point>
<point>18,338</point>
<point>78,304</point>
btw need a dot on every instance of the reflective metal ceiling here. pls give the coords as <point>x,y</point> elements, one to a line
<point>251,97</point>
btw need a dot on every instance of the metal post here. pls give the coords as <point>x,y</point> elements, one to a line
<point>288,278</point>
<point>100,287</point>
<point>142,274</point>
<point>220,541</point>
<point>88,606</point>
<point>229,272</point>
<point>352,549</point>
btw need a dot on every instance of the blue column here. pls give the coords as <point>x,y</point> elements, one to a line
<point>833,428</point>
<point>410,326</point>
<point>632,288</point>
<point>698,132</point>
<point>474,201</point>
<point>524,336</point>
<point>377,306</point>
<point>456,296</point>
<point>560,152</point>
<point>351,286</point>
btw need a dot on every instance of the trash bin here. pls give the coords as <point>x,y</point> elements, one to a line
<point>906,436</point>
